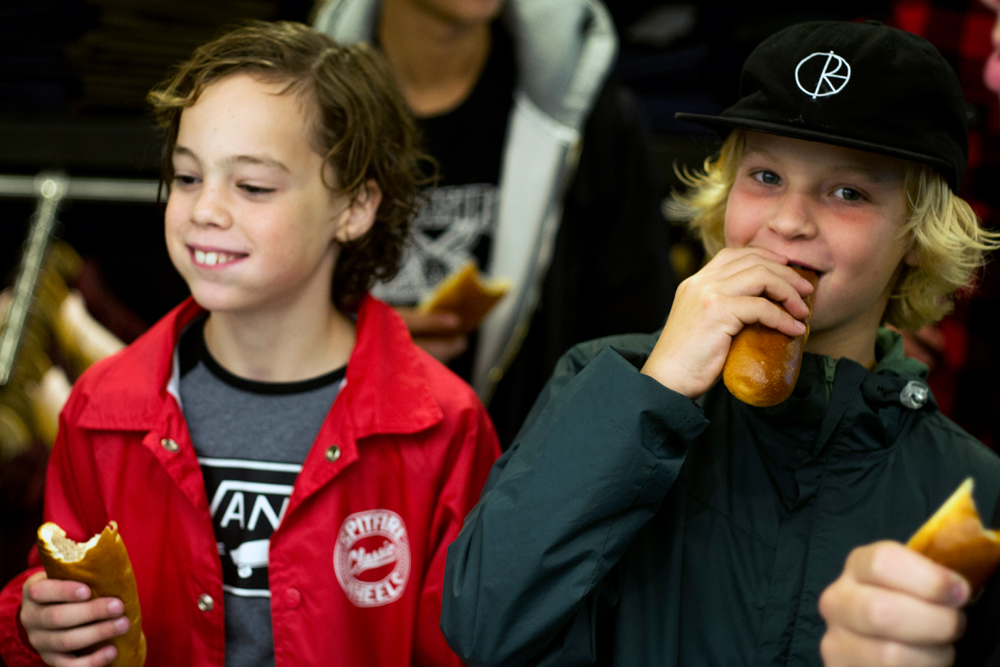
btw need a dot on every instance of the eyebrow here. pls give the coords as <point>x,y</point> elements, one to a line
<point>239,159</point>
<point>850,167</point>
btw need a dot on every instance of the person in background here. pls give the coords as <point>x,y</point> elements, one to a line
<point>284,465</point>
<point>991,73</point>
<point>547,178</point>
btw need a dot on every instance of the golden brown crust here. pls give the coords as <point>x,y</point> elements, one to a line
<point>466,294</point>
<point>763,363</point>
<point>106,569</point>
<point>954,537</point>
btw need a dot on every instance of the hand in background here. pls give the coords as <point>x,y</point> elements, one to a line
<point>437,333</point>
<point>892,606</point>
<point>926,345</point>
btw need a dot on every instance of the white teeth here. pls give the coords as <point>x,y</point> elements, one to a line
<point>212,257</point>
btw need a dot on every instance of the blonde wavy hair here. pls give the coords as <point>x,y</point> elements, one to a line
<point>945,231</point>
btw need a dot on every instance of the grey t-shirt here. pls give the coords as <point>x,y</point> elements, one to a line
<point>251,439</point>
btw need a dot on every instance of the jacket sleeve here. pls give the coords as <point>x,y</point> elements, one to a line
<point>528,576</point>
<point>466,468</point>
<point>70,465</point>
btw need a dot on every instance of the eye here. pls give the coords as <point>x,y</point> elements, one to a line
<point>185,180</point>
<point>255,189</point>
<point>767,177</point>
<point>849,194</point>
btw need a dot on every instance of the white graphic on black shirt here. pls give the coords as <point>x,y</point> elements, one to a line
<point>446,234</point>
<point>247,500</point>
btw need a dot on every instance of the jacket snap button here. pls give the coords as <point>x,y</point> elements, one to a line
<point>205,602</point>
<point>333,453</point>
<point>293,598</point>
<point>169,445</point>
<point>914,395</point>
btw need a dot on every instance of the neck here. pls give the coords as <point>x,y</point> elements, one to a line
<point>857,345</point>
<point>278,346</point>
<point>436,60</point>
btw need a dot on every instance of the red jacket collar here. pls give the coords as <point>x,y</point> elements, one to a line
<point>387,389</point>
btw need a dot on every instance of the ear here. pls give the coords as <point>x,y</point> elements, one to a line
<point>912,256</point>
<point>355,221</point>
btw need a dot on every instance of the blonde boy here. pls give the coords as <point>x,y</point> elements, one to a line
<point>647,517</point>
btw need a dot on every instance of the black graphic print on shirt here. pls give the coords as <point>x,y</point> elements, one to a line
<point>247,500</point>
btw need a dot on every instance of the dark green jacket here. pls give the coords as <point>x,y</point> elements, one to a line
<point>630,526</point>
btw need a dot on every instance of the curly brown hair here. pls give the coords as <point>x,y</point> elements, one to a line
<point>361,127</point>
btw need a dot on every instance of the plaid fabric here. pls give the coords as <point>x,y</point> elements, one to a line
<point>968,385</point>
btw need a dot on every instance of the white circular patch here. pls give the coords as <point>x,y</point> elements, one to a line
<point>830,80</point>
<point>372,557</point>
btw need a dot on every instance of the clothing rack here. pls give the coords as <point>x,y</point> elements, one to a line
<point>50,189</point>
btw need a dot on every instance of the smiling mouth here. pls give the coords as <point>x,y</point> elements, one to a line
<point>214,257</point>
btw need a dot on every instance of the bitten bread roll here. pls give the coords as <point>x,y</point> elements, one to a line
<point>954,537</point>
<point>763,364</point>
<point>467,294</point>
<point>102,563</point>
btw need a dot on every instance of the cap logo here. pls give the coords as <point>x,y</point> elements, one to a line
<point>831,80</point>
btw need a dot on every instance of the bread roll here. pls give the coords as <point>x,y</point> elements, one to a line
<point>954,537</point>
<point>102,563</point>
<point>467,294</point>
<point>763,363</point>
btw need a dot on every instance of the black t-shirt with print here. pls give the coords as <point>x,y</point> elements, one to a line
<point>459,219</point>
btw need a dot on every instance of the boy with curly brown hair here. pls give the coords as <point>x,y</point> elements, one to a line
<point>285,466</point>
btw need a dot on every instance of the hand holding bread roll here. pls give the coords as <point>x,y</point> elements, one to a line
<point>763,363</point>
<point>955,538</point>
<point>102,563</point>
<point>467,294</point>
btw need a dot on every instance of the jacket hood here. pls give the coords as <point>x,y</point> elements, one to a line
<point>564,48</point>
<point>892,358</point>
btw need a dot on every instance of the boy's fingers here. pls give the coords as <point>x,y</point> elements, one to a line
<point>840,648</point>
<point>99,658</point>
<point>882,613</point>
<point>778,283</point>
<point>42,590</point>
<point>62,616</point>
<point>751,310</point>
<point>77,639</point>
<point>893,565</point>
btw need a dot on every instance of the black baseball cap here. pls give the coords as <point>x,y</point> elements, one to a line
<point>861,85</point>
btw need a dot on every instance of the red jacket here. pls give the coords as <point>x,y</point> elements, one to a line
<point>405,450</point>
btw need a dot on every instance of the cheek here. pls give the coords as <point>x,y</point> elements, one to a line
<point>740,226</point>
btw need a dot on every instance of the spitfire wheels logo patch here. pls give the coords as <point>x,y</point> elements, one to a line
<point>822,74</point>
<point>372,557</point>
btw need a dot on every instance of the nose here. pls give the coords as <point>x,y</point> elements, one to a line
<point>210,206</point>
<point>794,218</point>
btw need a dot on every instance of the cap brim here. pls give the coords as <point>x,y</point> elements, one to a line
<point>724,124</point>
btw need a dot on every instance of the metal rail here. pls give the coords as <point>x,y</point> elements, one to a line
<point>51,189</point>
<point>92,189</point>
